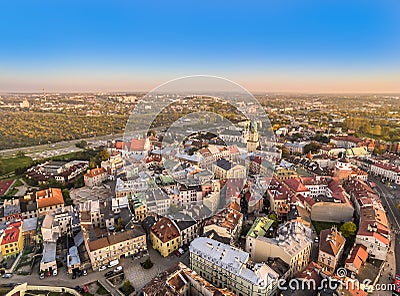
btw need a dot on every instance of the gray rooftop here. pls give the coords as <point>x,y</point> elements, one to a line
<point>49,252</point>
<point>29,224</point>
<point>73,256</point>
<point>233,260</point>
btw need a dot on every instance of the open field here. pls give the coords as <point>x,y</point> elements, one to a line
<point>10,164</point>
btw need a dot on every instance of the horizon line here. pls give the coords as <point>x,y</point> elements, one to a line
<point>251,91</point>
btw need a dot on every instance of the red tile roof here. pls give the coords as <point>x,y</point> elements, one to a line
<point>95,172</point>
<point>49,197</point>
<point>331,241</point>
<point>119,145</point>
<point>278,191</point>
<point>233,149</point>
<point>165,230</point>
<point>348,139</point>
<point>11,233</point>
<point>387,166</point>
<point>358,256</point>
<point>137,144</point>
<point>296,185</point>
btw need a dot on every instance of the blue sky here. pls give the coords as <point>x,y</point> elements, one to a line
<point>293,45</point>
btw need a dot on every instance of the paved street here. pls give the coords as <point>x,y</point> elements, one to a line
<point>132,269</point>
<point>390,199</point>
<point>58,148</point>
<point>139,276</point>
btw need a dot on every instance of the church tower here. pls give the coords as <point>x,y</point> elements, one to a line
<point>253,137</point>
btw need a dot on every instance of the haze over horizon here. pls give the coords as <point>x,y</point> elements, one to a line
<point>296,47</point>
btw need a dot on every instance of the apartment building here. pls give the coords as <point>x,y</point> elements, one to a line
<point>331,246</point>
<point>181,280</point>
<point>95,177</point>
<point>103,249</point>
<point>11,239</point>
<point>165,236</point>
<point>227,223</point>
<point>230,268</point>
<point>224,169</point>
<point>49,200</point>
<point>292,243</point>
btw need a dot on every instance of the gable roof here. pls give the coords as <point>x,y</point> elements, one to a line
<point>95,172</point>
<point>224,164</point>
<point>11,233</point>
<point>358,256</point>
<point>331,241</point>
<point>49,197</point>
<point>137,144</point>
<point>296,185</point>
<point>165,230</point>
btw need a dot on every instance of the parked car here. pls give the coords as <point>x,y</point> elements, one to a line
<point>102,268</point>
<point>41,276</point>
<point>181,251</point>
<point>84,272</point>
<point>113,263</point>
<point>109,273</point>
<point>7,275</point>
<point>85,289</point>
<point>55,272</point>
<point>74,276</point>
<point>78,289</point>
<point>118,268</point>
<point>177,253</point>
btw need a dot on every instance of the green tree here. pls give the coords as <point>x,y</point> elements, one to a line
<point>119,225</point>
<point>173,209</point>
<point>148,264</point>
<point>54,183</point>
<point>20,154</point>
<point>79,182</point>
<point>82,144</point>
<point>127,288</point>
<point>92,163</point>
<point>2,168</point>
<point>348,229</point>
<point>313,147</point>
<point>104,155</point>
<point>274,218</point>
<point>285,152</point>
<point>67,199</point>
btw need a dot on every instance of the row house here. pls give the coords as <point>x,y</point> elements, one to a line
<point>292,244</point>
<point>181,280</point>
<point>10,211</point>
<point>386,170</point>
<point>95,177</point>
<point>227,223</point>
<point>227,267</point>
<point>331,247</point>
<point>279,197</point>
<point>102,250</point>
<point>157,202</point>
<point>11,239</point>
<point>165,236</point>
